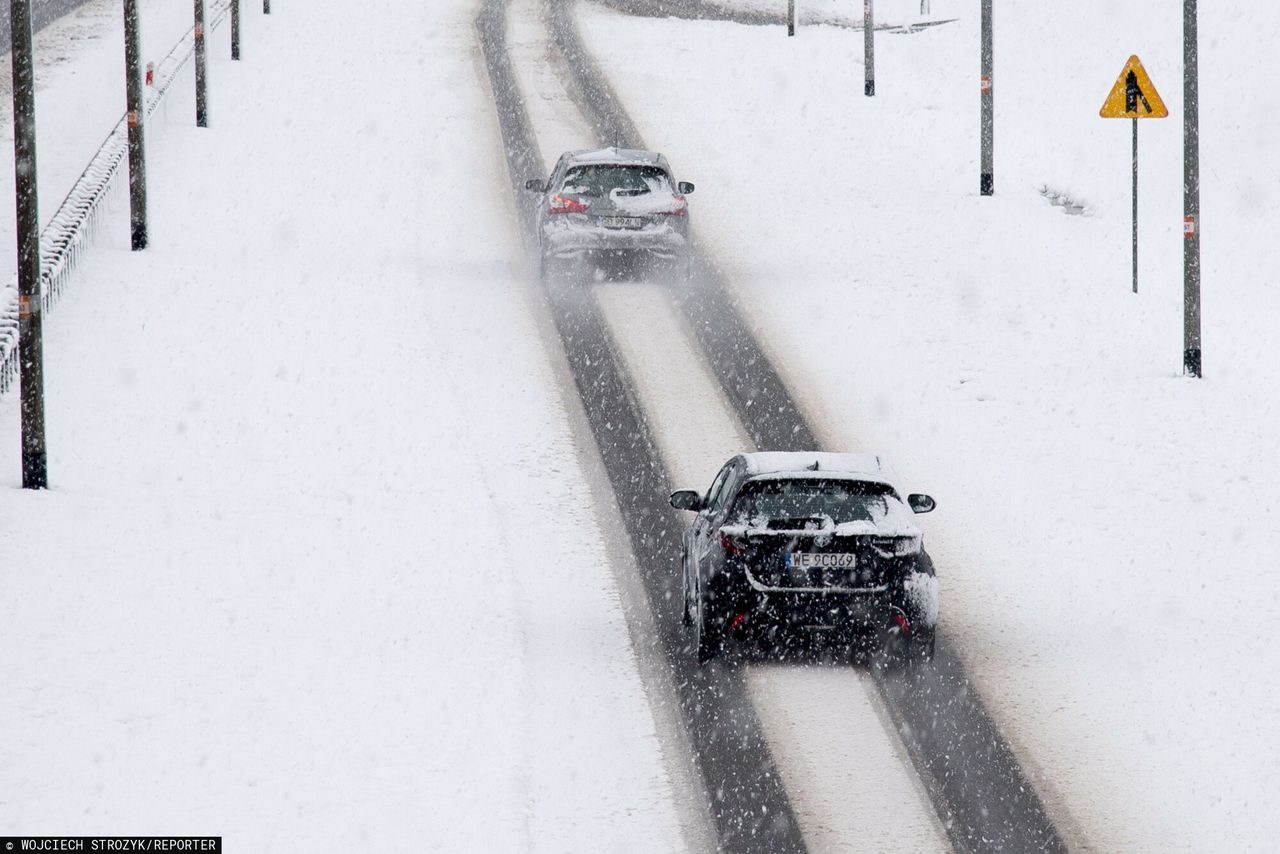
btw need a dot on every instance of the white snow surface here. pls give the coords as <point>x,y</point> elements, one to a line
<point>1106,528</point>
<point>315,571</point>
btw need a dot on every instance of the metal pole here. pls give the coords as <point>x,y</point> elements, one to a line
<point>986,180</point>
<point>266,7</point>
<point>134,117</point>
<point>791,17</point>
<point>1190,193</point>
<point>869,47</point>
<point>35,474</point>
<point>235,29</point>
<point>1135,206</point>
<point>202,83</point>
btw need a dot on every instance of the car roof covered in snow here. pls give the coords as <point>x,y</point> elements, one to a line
<point>617,156</point>
<point>811,463</point>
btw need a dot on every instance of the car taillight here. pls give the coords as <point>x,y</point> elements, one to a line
<point>564,205</point>
<point>680,208</point>
<point>732,545</point>
<point>896,546</point>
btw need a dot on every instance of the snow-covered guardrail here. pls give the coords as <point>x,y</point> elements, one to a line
<point>71,229</point>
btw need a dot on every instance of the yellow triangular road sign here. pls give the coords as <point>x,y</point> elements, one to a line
<point>1134,96</point>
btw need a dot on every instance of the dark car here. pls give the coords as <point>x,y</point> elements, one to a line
<point>619,210</point>
<point>799,543</point>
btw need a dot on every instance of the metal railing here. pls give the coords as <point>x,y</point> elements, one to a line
<point>71,230</point>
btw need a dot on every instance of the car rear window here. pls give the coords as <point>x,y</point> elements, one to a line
<point>762,501</point>
<point>603,179</point>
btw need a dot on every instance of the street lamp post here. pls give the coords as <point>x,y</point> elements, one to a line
<point>35,473</point>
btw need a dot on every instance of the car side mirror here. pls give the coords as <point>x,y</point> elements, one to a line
<point>685,188</point>
<point>921,503</point>
<point>536,184</point>
<point>686,499</point>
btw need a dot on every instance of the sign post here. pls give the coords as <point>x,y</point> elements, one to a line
<point>1134,97</point>
<point>791,17</point>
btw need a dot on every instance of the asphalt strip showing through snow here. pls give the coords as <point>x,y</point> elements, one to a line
<point>984,800</point>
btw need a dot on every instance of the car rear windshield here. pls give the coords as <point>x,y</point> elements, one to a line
<point>603,179</point>
<point>762,501</point>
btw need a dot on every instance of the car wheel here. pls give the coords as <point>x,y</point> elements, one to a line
<point>686,612</point>
<point>922,648</point>
<point>706,634</point>
<point>892,647</point>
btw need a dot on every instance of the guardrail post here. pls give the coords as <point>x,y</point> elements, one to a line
<point>134,118</point>
<point>266,7</point>
<point>202,71</point>
<point>35,474</point>
<point>235,29</point>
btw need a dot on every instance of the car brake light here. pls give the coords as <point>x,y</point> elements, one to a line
<point>680,208</point>
<point>896,546</point>
<point>731,545</point>
<point>563,205</point>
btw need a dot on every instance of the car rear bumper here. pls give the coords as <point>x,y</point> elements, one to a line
<point>574,243</point>
<point>854,611</point>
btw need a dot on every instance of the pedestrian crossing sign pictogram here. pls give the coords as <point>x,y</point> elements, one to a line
<point>1134,96</point>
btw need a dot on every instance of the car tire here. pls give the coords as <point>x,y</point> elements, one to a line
<point>706,634</point>
<point>891,649</point>
<point>686,610</point>
<point>922,649</point>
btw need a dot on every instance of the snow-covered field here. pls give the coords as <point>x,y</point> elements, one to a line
<point>1107,527</point>
<point>318,569</point>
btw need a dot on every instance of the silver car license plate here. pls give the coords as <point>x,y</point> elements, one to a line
<point>807,560</point>
<point>621,221</point>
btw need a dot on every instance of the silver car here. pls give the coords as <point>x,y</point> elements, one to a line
<point>617,210</point>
